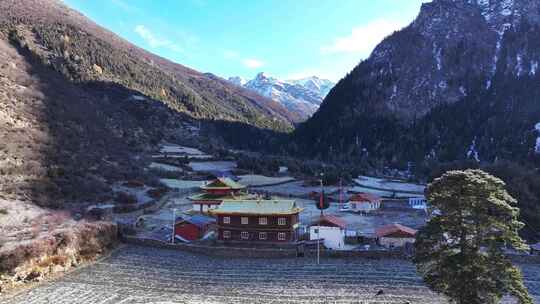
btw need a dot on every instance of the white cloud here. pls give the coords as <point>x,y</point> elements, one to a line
<point>363,39</point>
<point>252,63</point>
<point>156,41</point>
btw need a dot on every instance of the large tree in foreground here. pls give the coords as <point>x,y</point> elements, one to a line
<point>460,251</point>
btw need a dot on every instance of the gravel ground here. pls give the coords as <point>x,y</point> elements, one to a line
<point>146,275</point>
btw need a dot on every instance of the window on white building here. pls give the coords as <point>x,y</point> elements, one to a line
<point>244,220</point>
<point>282,221</point>
<point>262,236</point>
<point>226,234</point>
<point>244,235</point>
<point>281,236</point>
<point>263,221</point>
<point>226,220</point>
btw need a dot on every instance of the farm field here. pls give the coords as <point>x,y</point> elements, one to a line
<point>387,188</point>
<point>146,275</point>
<point>210,166</point>
<point>261,180</point>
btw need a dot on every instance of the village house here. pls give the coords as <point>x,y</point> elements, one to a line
<point>418,203</point>
<point>193,228</point>
<point>364,202</point>
<point>395,235</point>
<point>330,230</point>
<point>263,221</point>
<point>215,191</point>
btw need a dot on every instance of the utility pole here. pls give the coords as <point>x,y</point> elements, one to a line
<point>173,225</point>
<point>321,202</point>
<point>318,243</point>
<point>340,193</point>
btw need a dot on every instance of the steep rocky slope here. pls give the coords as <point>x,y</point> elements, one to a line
<point>84,52</point>
<point>62,141</point>
<point>459,82</point>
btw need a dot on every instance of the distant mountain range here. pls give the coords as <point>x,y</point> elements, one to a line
<point>301,96</point>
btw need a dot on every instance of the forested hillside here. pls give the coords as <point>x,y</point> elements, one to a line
<point>460,82</point>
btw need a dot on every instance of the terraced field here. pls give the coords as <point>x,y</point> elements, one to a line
<point>145,275</point>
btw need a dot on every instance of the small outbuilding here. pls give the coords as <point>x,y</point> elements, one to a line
<point>418,203</point>
<point>364,202</point>
<point>331,230</point>
<point>395,235</point>
<point>193,228</point>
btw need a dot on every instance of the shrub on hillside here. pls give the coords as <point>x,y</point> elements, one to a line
<point>125,198</point>
<point>156,193</point>
<point>134,184</point>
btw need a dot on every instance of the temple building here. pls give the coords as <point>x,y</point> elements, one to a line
<point>216,191</point>
<point>262,221</point>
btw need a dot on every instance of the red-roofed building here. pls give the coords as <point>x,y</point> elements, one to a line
<point>364,202</point>
<point>193,228</point>
<point>330,229</point>
<point>331,221</point>
<point>395,235</point>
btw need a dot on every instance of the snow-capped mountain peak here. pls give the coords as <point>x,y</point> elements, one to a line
<point>302,96</point>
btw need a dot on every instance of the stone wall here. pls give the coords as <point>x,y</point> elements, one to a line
<point>230,251</point>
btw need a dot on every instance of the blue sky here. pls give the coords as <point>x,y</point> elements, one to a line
<point>284,38</point>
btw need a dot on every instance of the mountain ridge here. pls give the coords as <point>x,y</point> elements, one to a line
<point>300,96</point>
<point>462,72</point>
<point>54,31</point>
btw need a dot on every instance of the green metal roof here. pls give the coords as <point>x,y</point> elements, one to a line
<point>212,197</point>
<point>268,207</point>
<point>223,183</point>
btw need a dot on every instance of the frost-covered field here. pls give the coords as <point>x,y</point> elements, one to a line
<point>212,166</point>
<point>181,184</point>
<point>177,151</point>
<point>261,180</point>
<point>296,189</point>
<point>389,185</point>
<point>146,275</point>
<point>165,167</point>
<point>172,148</point>
<point>383,193</point>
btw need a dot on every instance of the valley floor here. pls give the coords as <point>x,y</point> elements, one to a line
<point>147,275</point>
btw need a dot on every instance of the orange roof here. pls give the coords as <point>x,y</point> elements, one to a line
<point>332,220</point>
<point>393,228</point>
<point>362,197</point>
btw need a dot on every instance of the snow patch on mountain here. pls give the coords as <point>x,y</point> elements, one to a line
<point>500,36</point>
<point>473,153</point>
<point>534,67</point>
<point>537,127</point>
